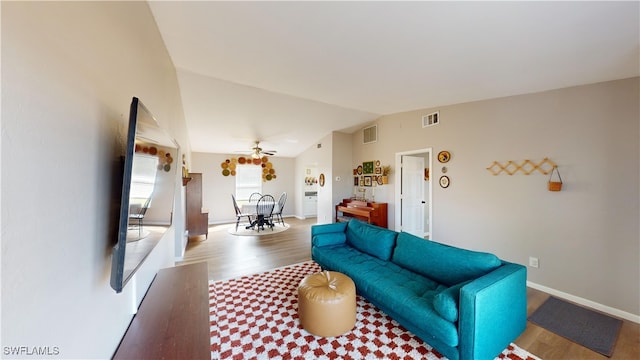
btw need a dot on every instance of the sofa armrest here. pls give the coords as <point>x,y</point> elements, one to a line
<point>328,234</point>
<point>493,312</point>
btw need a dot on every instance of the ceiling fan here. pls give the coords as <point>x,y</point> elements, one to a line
<point>258,152</point>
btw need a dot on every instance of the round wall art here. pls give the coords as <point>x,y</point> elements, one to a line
<point>444,156</point>
<point>444,181</point>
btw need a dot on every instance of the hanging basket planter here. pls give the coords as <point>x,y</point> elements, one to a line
<point>555,185</point>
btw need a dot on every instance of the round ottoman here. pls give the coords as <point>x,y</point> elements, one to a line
<point>327,303</point>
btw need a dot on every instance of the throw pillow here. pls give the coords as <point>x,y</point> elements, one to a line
<point>447,302</point>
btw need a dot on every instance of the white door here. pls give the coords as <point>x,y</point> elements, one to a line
<point>412,195</point>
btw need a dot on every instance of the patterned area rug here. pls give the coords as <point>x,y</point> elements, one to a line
<point>255,317</point>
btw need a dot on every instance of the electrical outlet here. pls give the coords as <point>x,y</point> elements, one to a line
<point>533,262</point>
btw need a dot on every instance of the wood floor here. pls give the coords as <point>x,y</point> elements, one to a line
<point>230,256</point>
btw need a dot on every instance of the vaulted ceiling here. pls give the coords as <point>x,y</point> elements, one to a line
<point>289,73</point>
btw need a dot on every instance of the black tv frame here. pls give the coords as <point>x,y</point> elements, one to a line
<point>124,266</point>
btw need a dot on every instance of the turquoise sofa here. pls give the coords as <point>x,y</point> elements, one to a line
<point>465,304</point>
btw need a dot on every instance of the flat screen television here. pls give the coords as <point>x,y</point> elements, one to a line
<point>147,199</point>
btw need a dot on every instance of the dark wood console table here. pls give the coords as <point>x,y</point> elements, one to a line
<point>173,319</point>
<point>197,218</point>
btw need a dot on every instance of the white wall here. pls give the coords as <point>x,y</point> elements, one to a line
<point>217,189</point>
<point>320,158</point>
<point>587,236</point>
<point>342,168</point>
<point>324,157</point>
<point>69,71</point>
<point>331,156</point>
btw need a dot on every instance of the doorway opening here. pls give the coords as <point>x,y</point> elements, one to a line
<point>413,191</point>
<point>310,192</point>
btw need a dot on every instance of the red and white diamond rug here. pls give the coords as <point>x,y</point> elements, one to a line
<point>256,317</point>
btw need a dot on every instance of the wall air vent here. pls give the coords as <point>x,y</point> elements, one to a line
<point>370,134</point>
<point>431,119</point>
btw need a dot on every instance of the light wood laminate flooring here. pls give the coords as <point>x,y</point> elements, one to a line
<point>229,256</point>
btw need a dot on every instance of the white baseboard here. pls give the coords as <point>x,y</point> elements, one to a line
<point>221,222</point>
<point>588,303</point>
<point>304,217</point>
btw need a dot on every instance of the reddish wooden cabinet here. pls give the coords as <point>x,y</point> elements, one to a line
<point>371,212</point>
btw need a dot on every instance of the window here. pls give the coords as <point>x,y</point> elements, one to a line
<point>143,178</point>
<point>248,181</point>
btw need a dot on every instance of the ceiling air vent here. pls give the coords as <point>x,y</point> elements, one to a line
<point>431,119</point>
<point>370,134</point>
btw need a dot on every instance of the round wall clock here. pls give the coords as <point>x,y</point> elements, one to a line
<point>444,181</point>
<point>444,156</point>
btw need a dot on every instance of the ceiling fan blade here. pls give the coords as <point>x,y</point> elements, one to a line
<point>256,151</point>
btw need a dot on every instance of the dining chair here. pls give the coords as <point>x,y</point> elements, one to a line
<point>277,213</point>
<point>264,212</point>
<point>254,197</point>
<point>239,213</point>
<point>137,212</point>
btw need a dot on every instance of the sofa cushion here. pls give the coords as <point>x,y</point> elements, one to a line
<point>447,302</point>
<point>327,228</point>
<point>329,239</point>
<point>446,264</point>
<point>370,239</point>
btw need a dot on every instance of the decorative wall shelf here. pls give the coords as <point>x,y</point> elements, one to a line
<point>545,166</point>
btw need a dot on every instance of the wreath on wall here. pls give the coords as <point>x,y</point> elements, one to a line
<point>268,172</point>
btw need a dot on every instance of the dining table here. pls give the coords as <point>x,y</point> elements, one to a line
<point>259,220</point>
